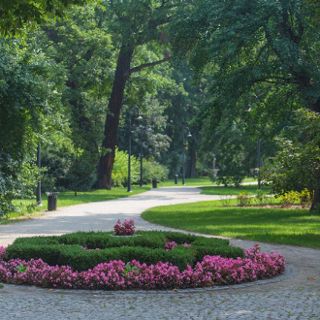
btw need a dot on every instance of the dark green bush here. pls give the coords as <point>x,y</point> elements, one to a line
<point>84,250</point>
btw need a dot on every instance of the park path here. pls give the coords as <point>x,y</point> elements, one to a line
<point>295,295</point>
<point>101,215</point>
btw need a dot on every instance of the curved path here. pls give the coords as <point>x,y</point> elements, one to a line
<point>296,295</point>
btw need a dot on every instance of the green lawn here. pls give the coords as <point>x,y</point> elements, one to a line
<point>221,190</point>
<point>201,181</point>
<point>27,208</point>
<point>274,225</point>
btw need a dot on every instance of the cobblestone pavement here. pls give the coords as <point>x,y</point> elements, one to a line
<point>295,295</point>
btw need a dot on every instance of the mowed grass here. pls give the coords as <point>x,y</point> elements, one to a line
<point>200,181</point>
<point>221,190</point>
<point>26,208</point>
<point>274,225</point>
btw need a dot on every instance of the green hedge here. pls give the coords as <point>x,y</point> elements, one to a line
<point>84,250</point>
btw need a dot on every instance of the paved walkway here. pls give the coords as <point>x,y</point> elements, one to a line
<point>296,295</point>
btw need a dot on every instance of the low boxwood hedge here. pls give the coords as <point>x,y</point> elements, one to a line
<point>84,250</point>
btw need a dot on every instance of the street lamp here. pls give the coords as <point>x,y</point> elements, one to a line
<point>259,162</point>
<point>129,155</point>
<point>139,118</point>
<point>38,193</point>
<point>140,158</point>
<point>189,135</point>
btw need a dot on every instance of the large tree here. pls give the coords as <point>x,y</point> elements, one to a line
<point>134,24</point>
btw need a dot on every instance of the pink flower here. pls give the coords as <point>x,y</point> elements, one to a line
<point>116,275</point>
<point>127,228</point>
<point>169,245</point>
<point>2,252</point>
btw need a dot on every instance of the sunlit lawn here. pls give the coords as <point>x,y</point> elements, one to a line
<point>201,181</point>
<point>274,225</point>
<point>27,208</point>
<point>221,190</point>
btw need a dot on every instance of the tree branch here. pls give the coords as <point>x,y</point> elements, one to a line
<point>149,64</point>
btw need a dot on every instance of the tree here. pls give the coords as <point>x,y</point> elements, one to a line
<point>14,15</point>
<point>296,165</point>
<point>134,24</point>
<point>84,48</point>
<point>252,42</point>
<point>30,108</point>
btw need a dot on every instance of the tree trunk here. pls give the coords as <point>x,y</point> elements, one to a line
<point>112,120</point>
<point>315,207</point>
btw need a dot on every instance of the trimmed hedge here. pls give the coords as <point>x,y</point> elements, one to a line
<point>84,250</point>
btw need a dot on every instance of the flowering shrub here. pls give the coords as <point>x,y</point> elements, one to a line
<point>125,228</point>
<point>2,252</point>
<point>169,245</point>
<point>116,275</point>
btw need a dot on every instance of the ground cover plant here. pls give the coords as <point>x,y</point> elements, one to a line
<point>114,274</point>
<point>292,226</point>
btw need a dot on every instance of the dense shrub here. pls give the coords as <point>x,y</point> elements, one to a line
<point>304,198</point>
<point>154,170</point>
<point>84,250</point>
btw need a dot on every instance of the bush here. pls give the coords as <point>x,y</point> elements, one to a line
<point>154,170</point>
<point>289,198</point>
<point>244,199</point>
<point>84,250</point>
<point>260,197</point>
<point>305,197</point>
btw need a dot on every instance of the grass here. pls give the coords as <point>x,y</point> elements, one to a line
<point>221,190</point>
<point>26,208</point>
<point>274,225</point>
<point>200,181</point>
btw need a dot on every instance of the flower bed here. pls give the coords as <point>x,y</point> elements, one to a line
<point>85,250</point>
<point>154,260</point>
<point>116,274</point>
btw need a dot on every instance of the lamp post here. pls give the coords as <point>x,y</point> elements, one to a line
<point>259,162</point>
<point>189,135</point>
<point>140,154</point>
<point>38,192</point>
<point>129,156</point>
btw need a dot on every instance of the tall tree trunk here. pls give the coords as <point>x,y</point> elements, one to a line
<point>112,120</point>
<point>315,207</point>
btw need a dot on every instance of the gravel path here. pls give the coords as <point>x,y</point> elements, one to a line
<point>296,295</point>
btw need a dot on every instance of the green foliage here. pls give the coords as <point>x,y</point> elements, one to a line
<point>30,108</point>
<point>84,250</point>
<point>17,14</point>
<point>289,198</point>
<point>154,170</point>
<point>296,166</point>
<point>244,199</point>
<point>120,168</point>
<point>304,198</point>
